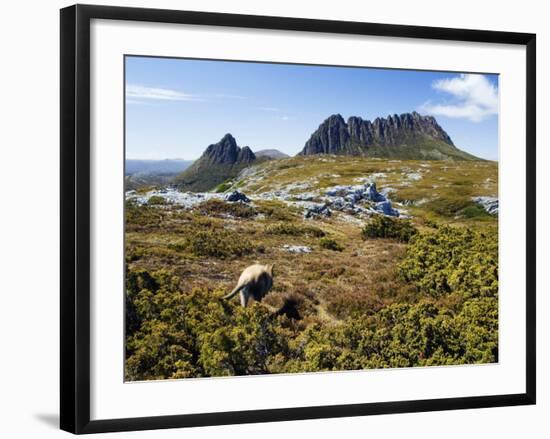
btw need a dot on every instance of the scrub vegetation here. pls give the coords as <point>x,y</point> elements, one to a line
<point>372,292</point>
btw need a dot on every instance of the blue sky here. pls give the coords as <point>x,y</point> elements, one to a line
<point>175,108</point>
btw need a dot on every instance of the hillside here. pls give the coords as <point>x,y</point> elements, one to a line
<point>406,136</point>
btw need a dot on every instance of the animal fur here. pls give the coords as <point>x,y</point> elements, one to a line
<point>255,281</point>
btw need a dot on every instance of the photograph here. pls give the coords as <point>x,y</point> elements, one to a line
<point>296,218</point>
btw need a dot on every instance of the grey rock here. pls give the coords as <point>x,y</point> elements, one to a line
<point>226,151</point>
<point>316,210</point>
<point>236,196</point>
<point>296,248</point>
<point>329,138</point>
<point>385,207</point>
<point>306,196</point>
<point>172,196</point>
<point>490,204</point>
<point>373,195</point>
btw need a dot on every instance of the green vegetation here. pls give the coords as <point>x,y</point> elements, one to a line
<point>413,148</point>
<point>387,227</point>
<point>453,261</point>
<point>373,292</point>
<point>156,200</point>
<point>217,243</point>
<point>475,211</point>
<point>222,187</point>
<point>222,208</point>
<point>294,230</point>
<point>330,244</point>
<point>172,334</point>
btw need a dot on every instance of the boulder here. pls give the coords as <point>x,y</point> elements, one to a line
<point>386,208</point>
<point>372,194</point>
<point>236,196</point>
<point>316,210</point>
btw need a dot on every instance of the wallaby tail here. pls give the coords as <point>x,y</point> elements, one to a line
<point>234,292</point>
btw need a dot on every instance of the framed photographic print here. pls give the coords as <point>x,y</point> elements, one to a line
<point>268,218</point>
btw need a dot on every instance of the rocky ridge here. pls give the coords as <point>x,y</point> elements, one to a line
<point>408,135</point>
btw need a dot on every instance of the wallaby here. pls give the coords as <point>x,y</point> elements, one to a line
<point>255,281</point>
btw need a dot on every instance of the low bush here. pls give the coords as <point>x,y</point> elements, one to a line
<point>275,210</point>
<point>401,335</point>
<point>171,334</point>
<point>387,227</point>
<point>294,230</point>
<point>475,211</point>
<point>223,208</point>
<point>453,260</point>
<point>156,200</point>
<point>330,244</point>
<point>217,243</point>
<point>141,218</point>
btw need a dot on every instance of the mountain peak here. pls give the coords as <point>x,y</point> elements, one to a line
<point>218,163</point>
<point>226,151</point>
<point>229,139</point>
<point>328,138</point>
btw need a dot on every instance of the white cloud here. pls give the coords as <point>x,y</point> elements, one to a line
<point>474,97</point>
<point>134,92</point>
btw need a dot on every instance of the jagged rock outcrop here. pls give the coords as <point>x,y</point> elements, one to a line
<point>407,136</point>
<point>218,163</point>
<point>226,151</point>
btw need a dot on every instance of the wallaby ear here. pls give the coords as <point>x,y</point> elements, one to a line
<point>270,269</point>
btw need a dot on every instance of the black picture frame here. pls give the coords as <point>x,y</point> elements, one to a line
<point>75,217</point>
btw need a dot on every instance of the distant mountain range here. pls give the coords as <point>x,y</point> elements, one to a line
<point>406,136</point>
<point>139,173</point>
<point>274,154</point>
<point>166,166</point>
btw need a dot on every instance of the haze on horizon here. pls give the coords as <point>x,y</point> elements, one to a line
<point>176,107</point>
